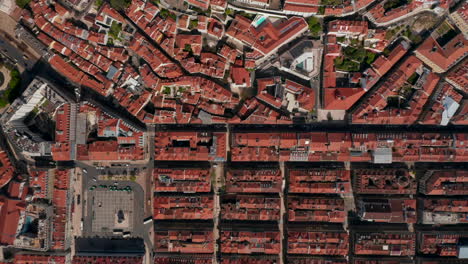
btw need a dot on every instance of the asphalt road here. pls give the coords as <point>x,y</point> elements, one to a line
<point>15,54</point>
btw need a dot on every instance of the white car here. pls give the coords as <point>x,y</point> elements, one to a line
<point>85,170</point>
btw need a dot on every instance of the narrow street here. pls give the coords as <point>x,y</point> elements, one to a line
<point>218,182</point>
<point>283,214</point>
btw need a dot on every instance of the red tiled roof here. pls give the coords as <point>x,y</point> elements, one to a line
<point>243,207</point>
<point>445,183</point>
<point>183,259</point>
<point>388,181</point>
<point>253,180</point>
<point>182,180</point>
<point>318,243</point>
<point>177,241</point>
<point>10,211</point>
<point>6,169</point>
<point>240,76</point>
<point>445,56</point>
<point>240,242</point>
<point>342,98</point>
<point>38,259</point>
<point>388,210</point>
<point>390,244</point>
<point>186,207</point>
<point>302,209</point>
<point>106,260</point>
<point>443,244</point>
<point>383,64</point>
<point>319,181</point>
<point>185,146</point>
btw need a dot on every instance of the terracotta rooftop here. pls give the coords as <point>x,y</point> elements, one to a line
<point>318,243</point>
<point>345,27</point>
<point>190,146</point>
<point>6,169</point>
<point>388,181</point>
<point>38,259</point>
<point>10,212</point>
<point>186,207</point>
<point>309,260</point>
<point>249,260</point>
<point>445,211</point>
<point>253,180</point>
<point>182,180</point>
<point>106,260</point>
<point>59,201</point>
<point>268,36</point>
<point>388,210</point>
<point>444,244</point>
<point>458,76</point>
<point>444,183</point>
<point>390,244</point>
<point>239,242</point>
<point>302,209</point>
<point>319,181</point>
<point>183,259</point>
<point>38,181</point>
<point>447,55</point>
<point>254,208</point>
<point>193,242</point>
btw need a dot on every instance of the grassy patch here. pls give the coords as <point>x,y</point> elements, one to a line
<point>331,2</point>
<point>355,42</point>
<point>201,11</point>
<point>120,4</point>
<point>115,29</point>
<point>99,3</point>
<point>413,78</point>
<point>166,13</point>
<point>22,3</point>
<point>10,94</point>
<point>229,12</point>
<point>247,15</point>
<point>356,54</point>
<point>391,33</point>
<point>415,38</point>
<point>370,57</point>
<point>188,48</point>
<point>444,28</point>
<point>193,24</point>
<point>167,90</point>
<point>354,57</point>
<point>345,64</point>
<point>391,4</point>
<point>321,10</point>
<point>314,26</point>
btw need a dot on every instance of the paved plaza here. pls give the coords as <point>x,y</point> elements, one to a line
<point>112,210</point>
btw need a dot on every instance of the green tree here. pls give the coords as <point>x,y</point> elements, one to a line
<point>115,29</point>
<point>22,3</point>
<point>314,25</point>
<point>13,91</point>
<point>99,3</point>
<point>370,57</point>
<point>120,4</point>
<point>193,24</point>
<point>321,10</point>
